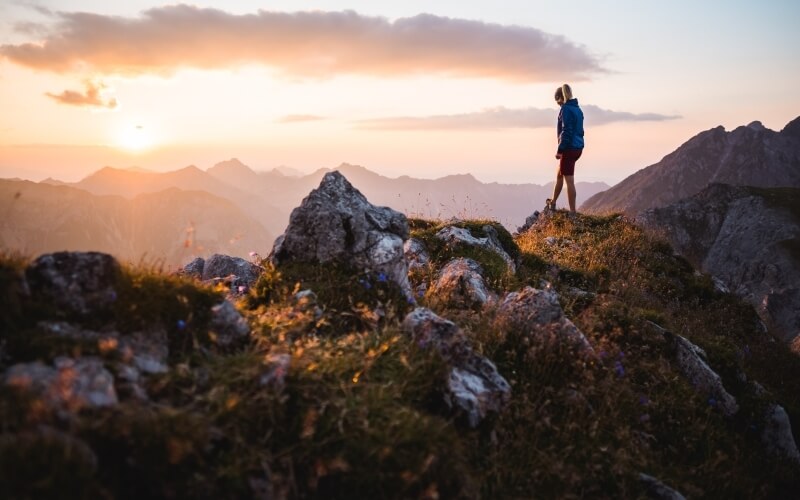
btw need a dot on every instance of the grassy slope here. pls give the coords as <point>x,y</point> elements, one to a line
<point>359,413</point>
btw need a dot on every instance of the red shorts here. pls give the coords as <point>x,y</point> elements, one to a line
<point>566,165</point>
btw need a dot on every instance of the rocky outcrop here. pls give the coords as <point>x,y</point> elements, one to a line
<point>748,239</point>
<point>336,224</point>
<point>777,435</point>
<point>692,361</point>
<point>454,235</point>
<point>750,155</point>
<point>235,272</point>
<point>474,387</point>
<point>416,254</point>
<point>75,283</point>
<point>71,384</point>
<point>461,285</point>
<point>537,315</point>
<point>658,490</point>
<point>227,324</point>
<point>79,292</point>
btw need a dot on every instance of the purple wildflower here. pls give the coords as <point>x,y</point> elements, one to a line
<point>181,324</point>
<point>712,402</point>
<point>382,277</point>
<point>619,369</point>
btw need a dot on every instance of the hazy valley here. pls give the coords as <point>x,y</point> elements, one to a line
<point>174,216</point>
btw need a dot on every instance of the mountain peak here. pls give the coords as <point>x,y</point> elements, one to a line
<point>189,169</point>
<point>232,167</point>
<point>745,156</point>
<point>792,129</point>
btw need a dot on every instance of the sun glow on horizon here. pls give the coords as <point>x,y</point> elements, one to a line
<point>134,138</point>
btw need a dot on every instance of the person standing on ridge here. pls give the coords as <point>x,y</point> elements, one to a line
<point>570,145</point>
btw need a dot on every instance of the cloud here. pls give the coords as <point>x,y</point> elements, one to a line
<point>501,118</point>
<point>306,44</point>
<point>93,97</point>
<point>300,118</point>
<point>599,116</point>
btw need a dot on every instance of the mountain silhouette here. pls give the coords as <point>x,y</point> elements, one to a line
<point>461,196</point>
<point>170,226</point>
<point>750,155</point>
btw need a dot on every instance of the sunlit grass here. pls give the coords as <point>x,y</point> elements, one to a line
<point>357,410</point>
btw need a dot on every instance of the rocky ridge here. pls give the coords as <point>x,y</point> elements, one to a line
<point>749,155</point>
<point>127,366</point>
<point>747,238</point>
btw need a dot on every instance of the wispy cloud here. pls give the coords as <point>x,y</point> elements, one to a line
<point>93,96</point>
<point>501,118</point>
<point>599,116</point>
<point>300,118</point>
<point>306,44</point>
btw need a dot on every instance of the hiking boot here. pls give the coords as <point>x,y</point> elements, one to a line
<point>550,205</point>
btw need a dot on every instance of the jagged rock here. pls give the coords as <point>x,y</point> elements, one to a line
<point>416,254</point>
<point>227,324</point>
<point>77,283</point>
<point>777,435</point>
<point>336,223</point>
<point>219,266</point>
<point>743,237</point>
<point>453,235</point>
<point>657,489</point>
<point>719,285</point>
<point>692,362</point>
<point>461,285</point>
<point>529,222</point>
<point>71,385</point>
<point>194,268</point>
<point>235,273</point>
<point>474,386</point>
<point>538,314</point>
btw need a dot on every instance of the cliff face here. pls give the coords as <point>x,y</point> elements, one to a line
<point>746,237</point>
<point>751,156</point>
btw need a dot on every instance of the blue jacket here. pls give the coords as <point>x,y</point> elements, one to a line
<point>570,126</point>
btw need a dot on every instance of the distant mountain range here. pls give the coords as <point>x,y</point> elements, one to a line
<point>229,208</point>
<point>166,228</point>
<point>269,197</point>
<point>750,155</point>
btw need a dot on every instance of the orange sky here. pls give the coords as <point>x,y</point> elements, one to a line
<point>402,90</point>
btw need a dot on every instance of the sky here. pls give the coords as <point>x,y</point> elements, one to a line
<point>419,88</point>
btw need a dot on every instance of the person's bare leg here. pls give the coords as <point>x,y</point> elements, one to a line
<point>570,191</point>
<point>557,188</point>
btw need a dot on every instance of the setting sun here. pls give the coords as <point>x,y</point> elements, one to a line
<point>134,138</point>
